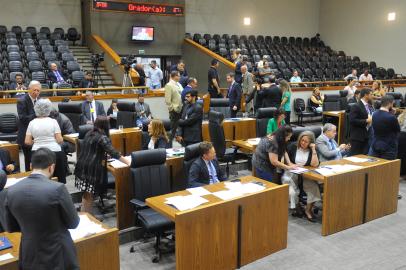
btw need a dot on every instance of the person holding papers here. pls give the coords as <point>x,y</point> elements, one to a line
<point>43,211</point>
<point>205,170</point>
<point>90,173</point>
<point>270,156</point>
<point>302,154</point>
<point>327,148</point>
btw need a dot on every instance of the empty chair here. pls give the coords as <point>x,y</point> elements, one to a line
<point>220,105</point>
<point>73,111</point>
<point>331,102</point>
<point>32,56</point>
<point>263,115</point>
<point>301,111</point>
<point>42,36</point>
<point>35,65</point>
<point>64,85</point>
<point>3,30</point>
<point>13,48</point>
<point>49,56</point>
<point>45,88</point>
<point>11,41</point>
<point>8,127</point>
<point>73,35</point>
<point>44,42</point>
<point>60,31</point>
<point>11,35</point>
<point>77,77</point>
<point>45,30</point>
<point>30,48</point>
<point>62,49</point>
<point>15,66</point>
<point>26,35</point>
<point>61,42</point>
<point>72,66</point>
<point>67,56</point>
<point>38,76</point>
<point>32,30</point>
<point>54,36</point>
<point>126,115</point>
<point>47,48</point>
<point>17,30</point>
<point>28,41</point>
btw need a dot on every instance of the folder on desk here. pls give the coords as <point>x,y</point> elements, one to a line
<point>5,243</point>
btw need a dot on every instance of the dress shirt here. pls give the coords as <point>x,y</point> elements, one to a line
<point>155,76</point>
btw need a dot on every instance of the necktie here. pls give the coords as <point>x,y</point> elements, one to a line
<point>213,174</point>
<point>58,76</point>
<point>332,145</point>
<point>91,111</point>
<point>142,106</point>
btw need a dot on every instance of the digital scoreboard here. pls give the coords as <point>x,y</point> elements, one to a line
<point>143,8</point>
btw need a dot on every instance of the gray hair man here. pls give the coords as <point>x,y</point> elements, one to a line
<point>247,87</point>
<point>326,146</point>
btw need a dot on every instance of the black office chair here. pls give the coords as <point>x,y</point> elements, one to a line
<point>220,105</point>
<point>297,130</point>
<point>126,115</point>
<point>150,178</point>
<point>8,127</point>
<point>263,116</point>
<point>192,152</point>
<point>402,152</point>
<point>343,99</point>
<point>301,111</point>
<point>218,140</point>
<point>331,103</point>
<point>73,111</point>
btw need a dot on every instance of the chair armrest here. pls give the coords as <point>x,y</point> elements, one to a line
<point>138,203</point>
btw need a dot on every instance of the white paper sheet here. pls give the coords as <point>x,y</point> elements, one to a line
<point>299,170</point>
<point>227,194</point>
<point>73,135</point>
<point>333,169</point>
<point>198,191</point>
<point>183,203</point>
<point>114,130</point>
<point>85,228</point>
<point>356,159</point>
<point>4,142</point>
<point>175,151</point>
<point>12,181</point>
<point>6,256</point>
<point>118,164</point>
<point>254,141</point>
<point>241,189</point>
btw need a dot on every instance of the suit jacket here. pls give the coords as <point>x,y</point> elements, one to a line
<point>52,77</point>
<point>172,97</point>
<point>247,83</point>
<point>324,151</point>
<point>25,111</point>
<point>138,109</point>
<point>13,86</point>
<point>190,124</point>
<point>358,123</point>
<point>234,95</point>
<point>199,173</point>
<point>271,97</point>
<point>88,84</point>
<point>6,160</point>
<point>86,111</point>
<point>43,211</point>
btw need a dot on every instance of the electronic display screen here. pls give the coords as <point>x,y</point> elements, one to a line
<point>134,7</point>
<point>141,33</point>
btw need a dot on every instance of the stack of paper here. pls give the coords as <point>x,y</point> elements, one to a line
<point>198,191</point>
<point>299,170</point>
<point>227,194</point>
<point>4,142</point>
<point>183,203</point>
<point>172,152</point>
<point>356,159</point>
<point>118,164</point>
<point>12,181</point>
<point>6,256</point>
<point>114,130</point>
<point>73,135</point>
<point>85,228</point>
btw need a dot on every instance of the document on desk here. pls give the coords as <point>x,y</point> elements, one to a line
<point>174,152</point>
<point>227,194</point>
<point>12,181</point>
<point>188,202</point>
<point>254,141</point>
<point>73,135</point>
<point>4,142</point>
<point>333,169</point>
<point>357,159</point>
<point>299,170</point>
<point>114,130</point>
<point>85,228</point>
<point>238,189</point>
<point>198,191</point>
<point>117,164</point>
<point>6,256</point>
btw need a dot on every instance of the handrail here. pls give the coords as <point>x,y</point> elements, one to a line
<point>210,53</point>
<point>118,88</point>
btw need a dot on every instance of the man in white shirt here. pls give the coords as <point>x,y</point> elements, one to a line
<point>295,78</point>
<point>352,75</point>
<point>366,76</point>
<point>91,109</point>
<point>155,76</point>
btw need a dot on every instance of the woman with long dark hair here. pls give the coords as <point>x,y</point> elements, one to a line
<point>90,172</point>
<point>270,155</point>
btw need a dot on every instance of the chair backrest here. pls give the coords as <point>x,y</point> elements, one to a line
<point>397,98</point>
<point>73,111</point>
<point>297,130</point>
<point>126,115</point>
<point>220,105</point>
<point>8,123</point>
<point>331,102</point>
<point>83,130</point>
<point>343,99</point>
<point>192,152</point>
<point>299,105</point>
<point>149,173</point>
<point>263,116</point>
<point>217,133</point>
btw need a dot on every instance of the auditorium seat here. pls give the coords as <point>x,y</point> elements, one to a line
<point>192,152</point>
<point>126,115</point>
<point>263,115</point>
<point>73,35</point>
<point>331,102</point>
<point>8,127</point>
<point>73,111</point>
<point>297,130</point>
<point>301,111</point>
<point>220,105</point>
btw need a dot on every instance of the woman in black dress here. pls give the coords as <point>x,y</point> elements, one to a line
<point>90,172</point>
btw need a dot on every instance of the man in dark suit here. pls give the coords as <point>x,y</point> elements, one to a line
<point>18,84</point>
<point>6,164</point>
<point>55,76</point>
<point>205,170</point>
<point>88,81</point>
<point>190,125</point>
<point>91,109</point>
<point>270,94</point>
<point>43,211</point>
<point>143,113</point>
<point>360,123</point>
<point>25,110</point>
<point>234,95</point>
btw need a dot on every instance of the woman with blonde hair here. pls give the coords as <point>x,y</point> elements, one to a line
<point>316,100</point>
<point>157,132</point>
<point>378,91</point>
<point>285,103</point>
<point>351,88</point>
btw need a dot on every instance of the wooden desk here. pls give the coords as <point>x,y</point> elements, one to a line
<point>339,122</point>
<point>246,146</point>
<point>241,129</point>
<point>358,196</point>
<point>14,151</point>
<point>99,251</point>
<point>228,234</point>
<point>125,189</point>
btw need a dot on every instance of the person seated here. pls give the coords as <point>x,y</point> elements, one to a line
<point>18,85</point>
<point>55,76</point>
<point>378,91</point>
<point>264,72</point>
<point>355,98</point>
<point>88,82</point>
<point>327,148</point>
<point>112,113</point>
<point>302,154</point>
<point>91,109</point>
<point>295,79</point>
<point>366,76</point>
<point>353,75</point>
<point>144,115</point>
<point>205,170</point>
<point>351,88</point>
<point>316,100</point>
<point>158,136</point>
<point>6,164</point>
<point>276,122</point>
<point>190,124</point>
<point>269,154</point>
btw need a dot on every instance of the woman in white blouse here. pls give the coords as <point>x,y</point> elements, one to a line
<point>44,131</point>
<point>351,87</point>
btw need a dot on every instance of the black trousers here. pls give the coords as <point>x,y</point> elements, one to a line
<point>287,118</point>
<point>60,166</point>
<point>27,156</point>
<point>174,117</point>
<point>359,147</point>
<point>233,114</point>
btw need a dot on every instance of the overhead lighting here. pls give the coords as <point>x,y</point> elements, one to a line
<point>247,21</point>
<point>391,16</point>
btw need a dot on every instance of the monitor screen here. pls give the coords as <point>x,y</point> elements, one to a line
<point>141,33</point>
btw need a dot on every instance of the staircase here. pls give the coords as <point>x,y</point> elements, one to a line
<point>83,57</point>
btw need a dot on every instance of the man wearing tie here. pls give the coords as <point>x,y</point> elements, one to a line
<point>55,76</point>
<point>360,123</point>
<point>91,109</point>
<point>205,170</point>
<point>25,110</point>
<point>233,95</point>
<point>327,148</point>
<point>143,113</point>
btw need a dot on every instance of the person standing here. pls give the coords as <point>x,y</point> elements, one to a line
<point>155,76</point>
<point>233,95</point>
<point>174,102</point>
<point>247,87</point>
<point>360,123</point>
<point>213,80</point>
<point>270,94</point>
<point>91,109</point>
<point>191,84</point>
<point>285,103</point>
<point>43,211</point>
<point>238,72</point>
<point>25,111</point>
<point>190,124</point>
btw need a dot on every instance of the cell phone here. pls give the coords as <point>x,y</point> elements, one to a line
<point>258,183</point>
<point>236,180</point>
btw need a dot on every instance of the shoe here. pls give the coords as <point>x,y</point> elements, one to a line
<point>297,214</point>
<point>399,197</point>
<point>312,219</point>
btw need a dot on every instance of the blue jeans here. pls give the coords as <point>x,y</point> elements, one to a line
<point>264,175</point>
<point>155,86</point>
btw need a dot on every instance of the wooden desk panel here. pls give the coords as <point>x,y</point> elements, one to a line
<point>242,129</point>
<point>176,173</point>
<point>14,152</point>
